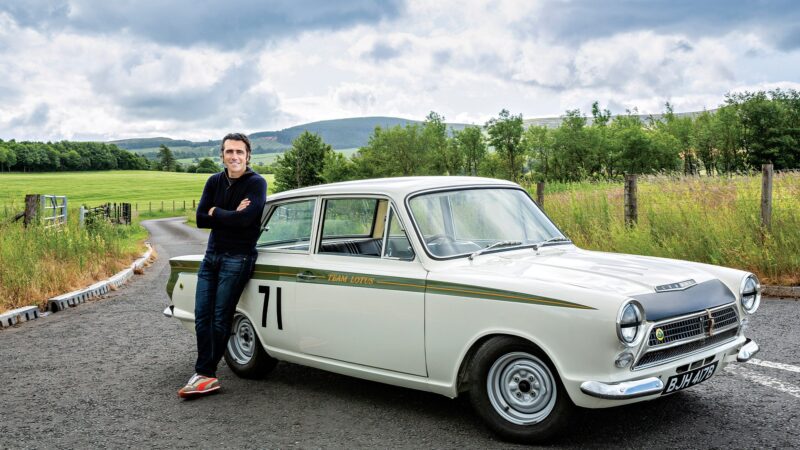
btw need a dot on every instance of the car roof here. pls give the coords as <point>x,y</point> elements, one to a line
<point>398,187</point>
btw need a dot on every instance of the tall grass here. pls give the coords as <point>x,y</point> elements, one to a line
<point>714,220</point>
<point>38,263</point>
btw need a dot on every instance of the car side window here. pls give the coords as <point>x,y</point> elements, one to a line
<point>289,226</point>
<point>397,245</point>
<point>353,226</point>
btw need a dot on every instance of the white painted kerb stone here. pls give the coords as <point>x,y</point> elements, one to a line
<point>15,316</point>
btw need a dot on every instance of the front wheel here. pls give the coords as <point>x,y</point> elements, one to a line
<point>517,392</point>
<point>244,353</point>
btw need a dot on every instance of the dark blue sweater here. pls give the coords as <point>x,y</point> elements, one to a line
<point>232,231</point>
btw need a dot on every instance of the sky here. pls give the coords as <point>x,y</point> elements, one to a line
<point>197,69</point>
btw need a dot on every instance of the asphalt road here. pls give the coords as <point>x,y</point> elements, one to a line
<point>105,374</point>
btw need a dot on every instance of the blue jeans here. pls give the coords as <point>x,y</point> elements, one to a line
<point>220,282</point>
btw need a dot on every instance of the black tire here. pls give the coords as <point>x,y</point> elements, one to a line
<point>522,399</point>
<point>244,353</point>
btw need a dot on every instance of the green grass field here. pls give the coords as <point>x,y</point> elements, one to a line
<point>94,188</point>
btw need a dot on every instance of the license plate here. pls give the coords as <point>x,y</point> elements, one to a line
<point>690,378</point>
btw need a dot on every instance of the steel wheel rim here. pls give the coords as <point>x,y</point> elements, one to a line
<point>521,388</point>
<point>242,343</point>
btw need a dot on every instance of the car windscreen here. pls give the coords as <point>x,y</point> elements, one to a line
<point>461,222</point>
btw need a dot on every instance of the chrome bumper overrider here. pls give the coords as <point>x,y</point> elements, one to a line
<point>624,390</point>
<point>747,351</point>
<point>168,311</point>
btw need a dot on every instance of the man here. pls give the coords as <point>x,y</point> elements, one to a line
<point>231,206</point>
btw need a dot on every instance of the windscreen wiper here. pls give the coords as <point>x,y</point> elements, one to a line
<point>550,241</point>
<point>495,245</point>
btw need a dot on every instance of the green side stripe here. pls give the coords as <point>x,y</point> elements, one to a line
<point>334,278</point>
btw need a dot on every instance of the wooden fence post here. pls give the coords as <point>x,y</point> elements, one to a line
<point>31,208</point>
<point>766,196</point>
<point>540,194</point>
<point>631,204</point>
<point>173,206</point>
<point>162,205</point>
<point>184,205</point>
<point>193,207</point>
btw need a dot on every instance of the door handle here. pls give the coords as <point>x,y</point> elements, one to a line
<point>306,276</point>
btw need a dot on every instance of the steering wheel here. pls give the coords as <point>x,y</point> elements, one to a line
<point>438,237</point>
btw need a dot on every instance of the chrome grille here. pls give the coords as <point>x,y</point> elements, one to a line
<point>694,326</point>
<point>689,334</point>
<point>656,356</point>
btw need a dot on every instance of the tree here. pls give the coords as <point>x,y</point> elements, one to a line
<point>391,152</point>
<point>538,142</point>
<point>338,168</point>
<point>472,147</point>
<point>303,164</point>
<point>505,134</point>
<point>207,165</point>
<point>166,161</point>
<point>436,146</point>
<point>574,155</point>
<point>704,141</point>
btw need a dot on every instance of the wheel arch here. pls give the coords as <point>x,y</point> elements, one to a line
<point>462,382</point>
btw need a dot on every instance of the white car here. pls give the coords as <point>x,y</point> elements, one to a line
<point>463,285</point>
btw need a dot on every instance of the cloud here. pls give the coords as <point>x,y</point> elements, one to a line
<point>359,96</point>
<point>227,25</point>
<point>382,51</point>
<point>39,117</point>
<point>577,21</point>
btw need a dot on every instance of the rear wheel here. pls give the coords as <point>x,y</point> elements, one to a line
<point>517,392</point>
<point>244,353</point>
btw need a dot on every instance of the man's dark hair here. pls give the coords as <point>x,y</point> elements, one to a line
<point>236,137</point>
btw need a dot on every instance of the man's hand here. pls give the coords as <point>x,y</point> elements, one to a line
<point>211,211</point>
<point>244,204</point>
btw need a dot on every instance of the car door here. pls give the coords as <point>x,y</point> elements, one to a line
<point>362,298</point>
<point>284,249</point>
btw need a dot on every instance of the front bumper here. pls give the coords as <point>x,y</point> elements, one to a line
<point>624,390</point>
<point>644,387</point>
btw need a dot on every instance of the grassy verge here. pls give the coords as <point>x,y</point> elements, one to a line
<point>705,219</point>
<point>38,263</point>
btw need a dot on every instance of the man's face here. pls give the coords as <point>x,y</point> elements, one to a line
<point>234,156</point>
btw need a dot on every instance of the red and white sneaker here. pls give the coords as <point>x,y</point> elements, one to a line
<point>199,385</point>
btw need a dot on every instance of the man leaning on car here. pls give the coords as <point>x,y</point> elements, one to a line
<point>231,207</point>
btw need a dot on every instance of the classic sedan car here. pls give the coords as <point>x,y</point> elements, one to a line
<point>463,285</point>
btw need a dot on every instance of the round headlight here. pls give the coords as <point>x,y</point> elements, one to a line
<point>629,323</point>
<point>750,294</point>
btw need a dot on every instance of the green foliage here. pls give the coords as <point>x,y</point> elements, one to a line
<point>166,161</point>
<point>392,152</point>
<point>47,157</point>
<point>303,164</point>
<point>770,126</point>
<point>505,135</point>
<point>207,165</point>
<point>471,147</point>
<point>338,168</point>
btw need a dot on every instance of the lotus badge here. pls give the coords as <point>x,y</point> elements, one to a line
<point>659,334</point>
